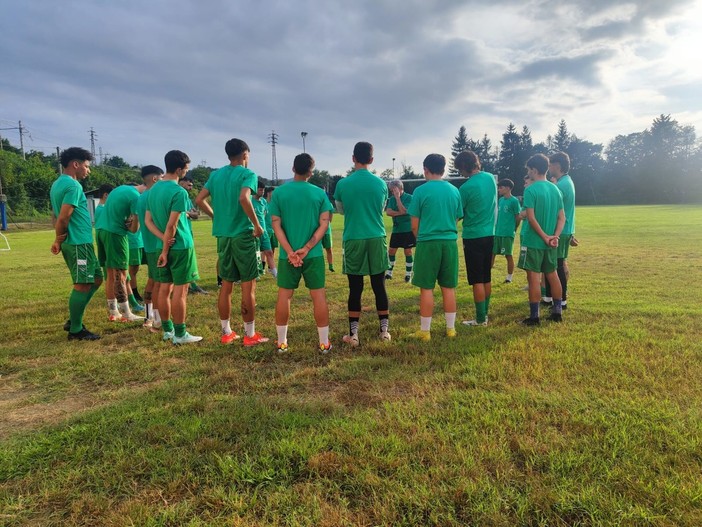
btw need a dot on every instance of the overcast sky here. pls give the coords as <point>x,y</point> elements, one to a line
<point>151,76</point>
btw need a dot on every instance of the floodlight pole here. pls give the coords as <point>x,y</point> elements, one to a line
<point>393,168</point>
<point>303,134</point>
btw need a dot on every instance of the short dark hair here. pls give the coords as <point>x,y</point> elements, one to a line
<point>562,159</point>
<point>75,153</point>
<point>105,188</point>
<point>268,190</point>
<point>539,162</point>
<point>302,164</point>
<point>148,170</point>
<point>176,159</point>
<point>261,184</point>
<point>236,147</point>
<point>467,161</point>
<point>363,152</point>
<point>435,163</point>
<point>506,183</point>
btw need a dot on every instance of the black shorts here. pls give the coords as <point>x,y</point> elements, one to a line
<point>405,240</point>
<point>478,255</point>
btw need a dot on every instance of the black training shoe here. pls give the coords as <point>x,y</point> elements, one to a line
<point>67,325</point>
<point>531,321</point>
<point>83,334</point>
<point>555,317</point>
<point>564,306</point>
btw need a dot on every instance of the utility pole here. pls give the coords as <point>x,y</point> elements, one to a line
<point>21,132</point>
<point>93,135</point>
<point>101,159</point>
<point>273,140</point>
<point>1,148</point>
<point>58,160</point>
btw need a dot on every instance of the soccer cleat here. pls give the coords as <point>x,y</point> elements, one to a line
<point>531,321</point>
<point>450,332</point>
<point>137,308</point>
<point>420,334</point>
<point>148,323</point>
<point>564,305</point>
<point>385,336</point>
<point>325,348</point>
<point>408,277</point>
<point>388,276</point>
<point>474,323</point>
<point>228,338</point>
<point>185,339</point>
<point>352,340</point>
<point>197,290</point>
<point>546,301</point>
<point>508,281</point>
<point>131,317</point>
<point>257,338</point>
<point>116,318</point>
<point>555,317</point>
<point>282,347</point>
<point>168,335</point>
<point>83,334</point>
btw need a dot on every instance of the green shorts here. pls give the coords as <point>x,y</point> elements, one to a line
<point>181,268</point>
<point>312,271</point>
<point>82,263</point>
<point>238,258</point>
<point>436,261</point>
<point>265,241</point>
<point>135,256</point>
<point>538,260</point>
<point>503,245</point>
<point>113,250</point>
<point>564,245</point>
<point>152,263</point>
<point>274,239</point>
<point>327,241</point>
<point>365,257</point>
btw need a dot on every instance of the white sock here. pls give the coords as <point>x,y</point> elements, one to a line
<point>425,323</point>
<point>509,277</point>
<point>450,320</point>
<point>323,335</point>
<point>250,328</point>
<point>112,306</point>
<point>547,299</point>
<point>124,308</point>
<point>226,327</point>
<point>282,334</point>
<point>157,316</point>
<point>274,272</point>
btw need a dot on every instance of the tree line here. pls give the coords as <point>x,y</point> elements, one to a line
<point>661,164</point>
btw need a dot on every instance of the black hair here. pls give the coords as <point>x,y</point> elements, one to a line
<point>75,153</point>
<point>363,152</point>
<point>303,163</point>
<point>261,184</point>
<point>149,170</point>
<point>562,159</point>
<point>539,162</point>
<point>105,188</point>
<point>506,183</point>
<point>435,163</point>
<point>236,147</point>
<point>176,159</point>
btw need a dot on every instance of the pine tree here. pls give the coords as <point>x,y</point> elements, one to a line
<point>562,138</point>
<point>460,143</point>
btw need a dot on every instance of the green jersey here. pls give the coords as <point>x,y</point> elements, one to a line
<point>565,185</point>
<point>401,223</point>
<point>224,186</point>
<point>151,242</point>
<point>546,200</point>
<point>438,206</point>
<point>99,209</point>
<point>479,197</point>
<point>67,191</point>
<point>260,206</point>
<point>165,197</point>
<point>363,196</point>
<point>507,209</point>
<point>298,204</point>
<point>121,203</point>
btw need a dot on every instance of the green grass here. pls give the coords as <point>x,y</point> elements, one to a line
<point>597,421</point>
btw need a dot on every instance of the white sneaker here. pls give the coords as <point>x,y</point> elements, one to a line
<point>186,339</point>
<point>131,317</point>
<point>351,339</point>
<point>475,323</point>
<point>385,336</point>
<point>168,335</point>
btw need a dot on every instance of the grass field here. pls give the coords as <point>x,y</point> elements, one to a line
<point>597,421</point>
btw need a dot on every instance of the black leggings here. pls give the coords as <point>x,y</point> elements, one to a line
<point>356,290</point>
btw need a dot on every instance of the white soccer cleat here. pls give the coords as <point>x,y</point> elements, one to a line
<point>385,336</point>
<point>185,339</point>
<point>352,340</point>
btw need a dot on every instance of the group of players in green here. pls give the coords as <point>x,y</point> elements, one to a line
<point>300,215</point>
